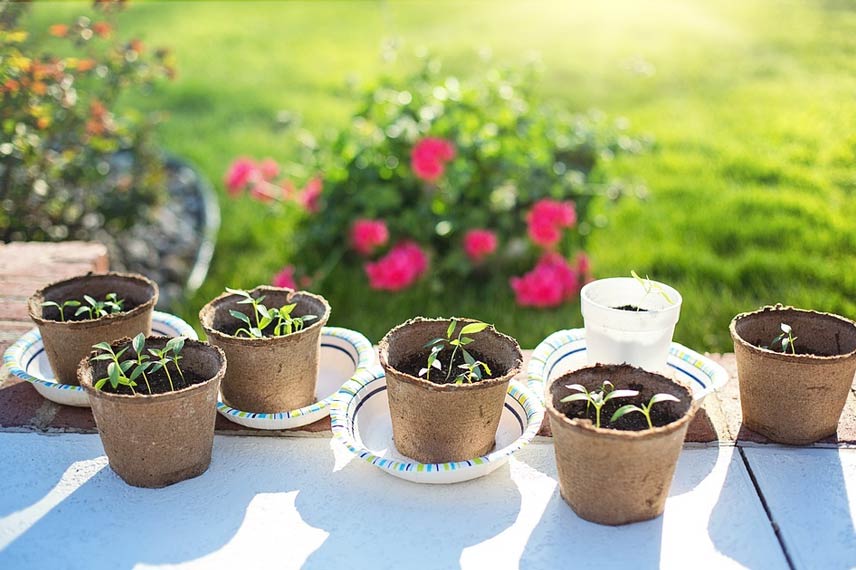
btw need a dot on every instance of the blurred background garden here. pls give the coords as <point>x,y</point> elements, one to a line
<point>354,146</point>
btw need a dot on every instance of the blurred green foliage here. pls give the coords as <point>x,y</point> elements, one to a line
<point>60,175</point>
<point>751,105</point>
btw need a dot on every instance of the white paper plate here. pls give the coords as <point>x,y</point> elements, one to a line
<point>345,354</point>
<point>360,418</point>
<point>27,360</point>
<point>565,350</point>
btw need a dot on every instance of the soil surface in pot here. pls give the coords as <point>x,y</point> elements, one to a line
<point>416,362</point>
<point>797,348</point>
<point>159,382</point>
<point>52,313</point>
<point>661,414</point>
<point>633,308</point>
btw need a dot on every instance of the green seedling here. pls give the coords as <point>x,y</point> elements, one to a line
<point>786,339</point>
<point>649,287</point>
<point>96,309</point>
<point>472,370</point>
<point>169,354</point>
<point>644,409</point>
<point>117,370</point>
<point>281,319</point>
<point>61,307</point>
<point>126,372</point>
<point>597,398</point>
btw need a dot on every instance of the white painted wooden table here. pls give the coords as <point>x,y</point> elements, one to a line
<point>304,502</point>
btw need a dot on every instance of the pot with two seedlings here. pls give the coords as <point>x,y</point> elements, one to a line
<point>271,337</point>
<point>446,381</point>
<point>154,401</point>
<point>618,431</point>
<point>795,369</point>
<point>74,314</point>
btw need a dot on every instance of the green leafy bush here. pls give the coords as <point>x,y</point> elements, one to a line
<point>466,177</point>
<point>70,161</point>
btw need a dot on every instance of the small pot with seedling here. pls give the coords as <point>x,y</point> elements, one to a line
<point>618,431</point>
<point>446,381</point>
<point>271,337</point>
<point>154,400</point>
<point>74,314</point>
<point>795,369</point>
<point>629,320</point>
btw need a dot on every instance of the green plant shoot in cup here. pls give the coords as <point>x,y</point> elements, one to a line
<point>93,308</point>
<point>649,287</point>
<point>597,398</point>
<point>644,409</point>
<point>472,370</point>
<point>281,319</point>
<point>126,372</point>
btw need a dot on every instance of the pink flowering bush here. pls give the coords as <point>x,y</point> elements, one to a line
<point>478,176</point>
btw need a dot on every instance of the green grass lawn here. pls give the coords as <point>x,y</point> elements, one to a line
<point>752,106</point>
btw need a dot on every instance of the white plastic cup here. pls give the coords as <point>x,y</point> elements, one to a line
<point>617,336</point>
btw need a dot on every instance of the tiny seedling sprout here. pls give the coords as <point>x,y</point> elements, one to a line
<point>283,322</point>
<point>118,370</point>
<point>93,308</point>
<point>786,339</point>
<point>650,287</point>
<point>597,398</point>
<point>644,409</point>
<point>472,370</point>
<point>61,307</point>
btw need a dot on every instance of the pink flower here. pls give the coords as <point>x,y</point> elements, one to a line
<point>547,219</point>
<point>310,197</point>
<point>241,172</point>
<point>269,169</point>
<point>429,157</point>
<point>549,284</point>
<point>285,278</point>
<point>398,269</point>
<point>367,235</point>
<point>478,244</point>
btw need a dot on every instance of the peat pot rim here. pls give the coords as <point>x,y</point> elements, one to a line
<point>208,312</point>
<point>145,399</point>
<point>784,356</point>
<point>587,428</point>
<point>34,307</point>
<point>514,370</point>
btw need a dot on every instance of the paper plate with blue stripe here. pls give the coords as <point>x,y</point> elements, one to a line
<point>564,351</point>
<point>361,421</point>
<point>27,360</point>
<point>344,354</point>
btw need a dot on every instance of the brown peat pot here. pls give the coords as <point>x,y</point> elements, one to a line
<point>158,440</point>
<point>615,476</point>
<point>67,343</point>
<point>438,423</point>
<point>270,374</point>
<point>795,399</point>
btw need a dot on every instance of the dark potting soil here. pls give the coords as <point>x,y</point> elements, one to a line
<point>631,308</point>
<point>159,382</point>
<point>416,362</point>
<point>799,350</point>
<point>52,313</point>
<point>661,414</point>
